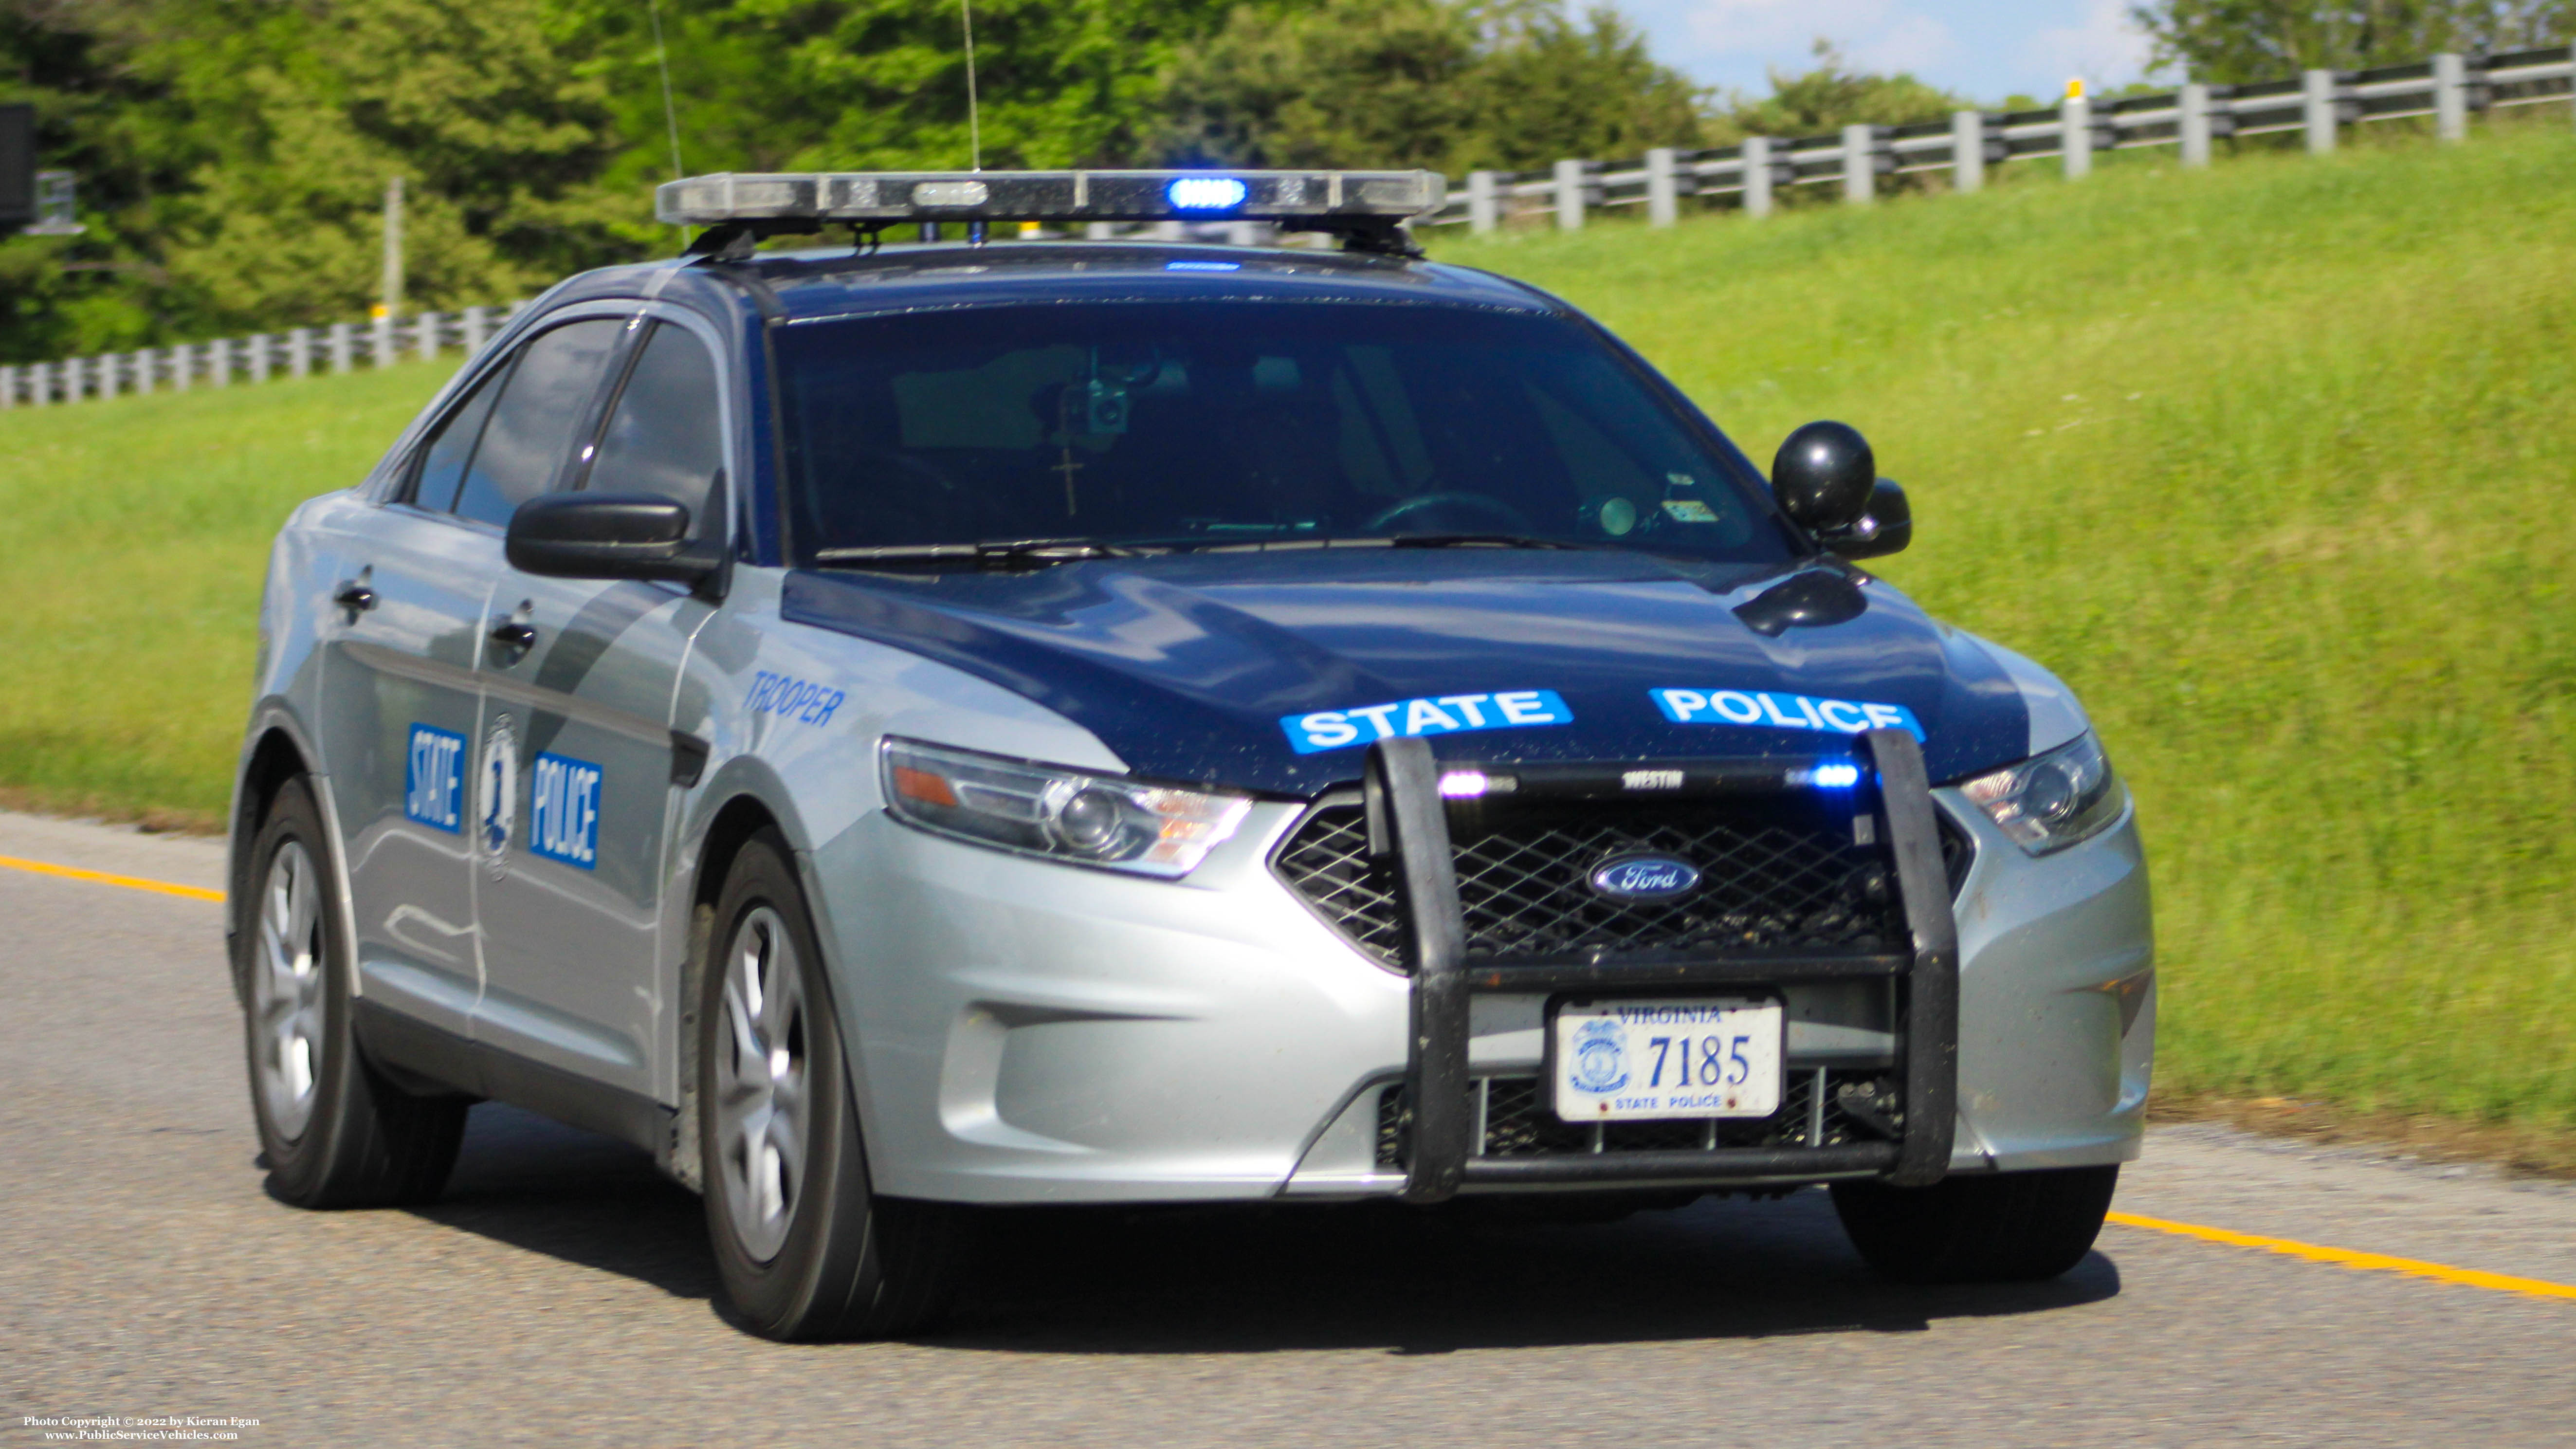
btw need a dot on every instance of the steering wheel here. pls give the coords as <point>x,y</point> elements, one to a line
<point>904,487</point>
<point>1488,515</point>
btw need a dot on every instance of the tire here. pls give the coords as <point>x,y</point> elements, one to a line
<point>2015,1227</point>
<point>804,1247</point>
<point>335,1132</point>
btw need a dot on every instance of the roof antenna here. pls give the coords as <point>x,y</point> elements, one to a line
<point>974,121</point>
<point>670,113</point>
<point>974,125</point>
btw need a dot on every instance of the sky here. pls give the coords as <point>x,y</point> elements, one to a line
<point>1984,49</point>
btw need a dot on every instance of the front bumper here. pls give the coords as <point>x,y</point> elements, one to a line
<point>1033,1032</point>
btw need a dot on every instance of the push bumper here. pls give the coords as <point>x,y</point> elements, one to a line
<point>1408,813</point>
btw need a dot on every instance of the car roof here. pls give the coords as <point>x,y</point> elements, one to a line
<point>803,286</point>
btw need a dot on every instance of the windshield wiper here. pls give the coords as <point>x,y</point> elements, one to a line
<point>1485,540</point>
<point>1399,540</point>
<point>1022,552</point>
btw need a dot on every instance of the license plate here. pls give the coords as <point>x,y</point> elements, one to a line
<point>1622,1061</point>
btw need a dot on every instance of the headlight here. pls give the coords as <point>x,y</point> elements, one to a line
<point>1063,814</point>
<point>2051,801</point>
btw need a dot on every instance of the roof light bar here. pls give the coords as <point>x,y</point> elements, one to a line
<point>768,200</point>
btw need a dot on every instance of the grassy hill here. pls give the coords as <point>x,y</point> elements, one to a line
<point>2276,464</point>
<point>2273,462</point>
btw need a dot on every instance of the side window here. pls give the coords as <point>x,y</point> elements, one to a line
<point>532,426</point>
<point>666,434</point>
<point>442,463</point>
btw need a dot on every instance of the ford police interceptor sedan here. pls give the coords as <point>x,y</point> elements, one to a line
<point>1072,721</point>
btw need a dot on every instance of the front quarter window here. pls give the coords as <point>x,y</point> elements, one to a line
<point>442,462</point>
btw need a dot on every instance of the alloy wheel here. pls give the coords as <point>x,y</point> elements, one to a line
<point>761,1083</point>
<point>287,990</point>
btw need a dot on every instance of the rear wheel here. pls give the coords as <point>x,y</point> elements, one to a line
<point>804,1246</point>
<point>2013,1227</point>
<point>335,1132</point>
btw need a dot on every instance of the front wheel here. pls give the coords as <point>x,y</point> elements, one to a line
<point>2014,1227</point>
<point>804,1246</point>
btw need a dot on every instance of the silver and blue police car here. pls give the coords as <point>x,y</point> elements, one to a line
<point>893,730</point>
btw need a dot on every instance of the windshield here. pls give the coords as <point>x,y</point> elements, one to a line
<point>1214,424</point>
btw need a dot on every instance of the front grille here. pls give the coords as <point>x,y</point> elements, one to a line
<point>1858,1106</point>
<point>1773,875</point>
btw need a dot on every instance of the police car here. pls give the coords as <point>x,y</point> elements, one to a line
<point>904,730</point>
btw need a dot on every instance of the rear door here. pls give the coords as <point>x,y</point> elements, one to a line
<point>400,707</point>
<point>581,700</point>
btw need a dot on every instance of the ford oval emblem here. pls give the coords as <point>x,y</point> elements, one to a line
<point>1645,878</point>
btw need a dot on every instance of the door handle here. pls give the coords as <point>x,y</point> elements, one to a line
<point>355,597</point>
<point>512,635</point>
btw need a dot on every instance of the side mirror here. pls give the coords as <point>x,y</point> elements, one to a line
<point>606,536</point>
<point>1823,476</point>
<point>1886,528</point>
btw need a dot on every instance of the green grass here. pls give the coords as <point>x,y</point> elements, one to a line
<point>2273,462</point>
<point>139,530</point>
<point>2276,465</point>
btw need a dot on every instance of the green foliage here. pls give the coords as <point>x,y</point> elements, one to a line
<point>783,84</point>
<point>1447,84</point>
<point>234,154</point>
<point>481,105</point>
<point>2195,441</point>
<point>2236,41</point>
<point>1826,99</point>
<point>107,289</point>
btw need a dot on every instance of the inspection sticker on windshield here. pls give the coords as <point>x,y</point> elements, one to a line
<point>1757,708</point>
<point>1335,729</point>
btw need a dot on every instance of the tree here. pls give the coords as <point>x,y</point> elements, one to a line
<point>1444,84</point>
<point>1824,100</point>
<point>105,289</point>
<point>302,113</point>
<point>1345,83</point>
<point>2232,42</point>
<point>1549,87</point>
<point>785,84</point>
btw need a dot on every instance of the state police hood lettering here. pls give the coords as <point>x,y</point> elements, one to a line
<point>1186,664</point>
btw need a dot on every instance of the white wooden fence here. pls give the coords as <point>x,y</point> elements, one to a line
<point>1859,158</point>
<point>2319,104</point>
<point>298,352</point>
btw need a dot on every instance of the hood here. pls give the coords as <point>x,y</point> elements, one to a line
<point>1249,669</point>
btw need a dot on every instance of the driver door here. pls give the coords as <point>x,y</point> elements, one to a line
<point>577,706</point>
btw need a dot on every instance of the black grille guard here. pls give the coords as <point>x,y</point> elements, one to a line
<point>1408,817</point>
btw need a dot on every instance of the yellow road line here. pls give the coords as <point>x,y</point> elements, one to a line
<point>2347,1258</point>
<point>100,877</point>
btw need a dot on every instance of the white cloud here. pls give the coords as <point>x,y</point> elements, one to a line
<point>2104,47</point>
<point>1914,43</point>
<point>1984,48</point>
<point>1878,35</point>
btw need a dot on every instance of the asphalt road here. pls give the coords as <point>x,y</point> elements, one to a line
<point>562,1291</point>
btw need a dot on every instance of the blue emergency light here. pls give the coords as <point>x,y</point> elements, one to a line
<point>1206,193</point>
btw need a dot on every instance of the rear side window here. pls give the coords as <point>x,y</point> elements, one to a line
<point>442,463</point>
<point>541,407</point>
<point>666,433</point>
